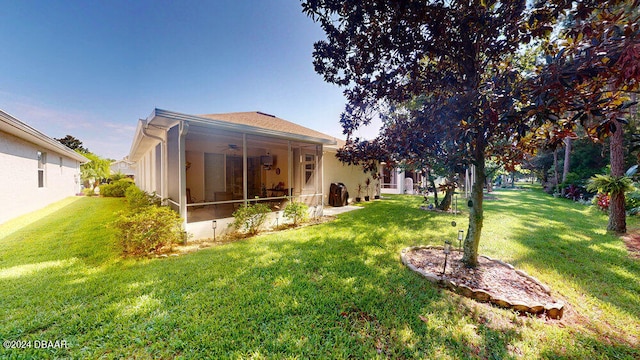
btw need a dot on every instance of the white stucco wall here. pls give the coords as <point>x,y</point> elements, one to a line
<point>19,191</point>
<point>351,176</point>
<point>122,167</point>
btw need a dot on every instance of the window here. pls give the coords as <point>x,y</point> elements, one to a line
<point>42,161</point>
<point>389,178</point>
<point>309,170</point>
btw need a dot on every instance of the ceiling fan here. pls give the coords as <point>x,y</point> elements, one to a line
<point>232,147</point>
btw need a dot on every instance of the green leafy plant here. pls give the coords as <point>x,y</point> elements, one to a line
<point>146,227</point>
<point>632,200</point>
<point>297,212</point>
<point>152,229</point>
<point>94,171</point>
<point>117,188</point>
<point>137,199</point>
<point>572,179</point>
<point>608,184</point>
<point>250,217</point>
<point>88,192</point>
<point>119,176</point>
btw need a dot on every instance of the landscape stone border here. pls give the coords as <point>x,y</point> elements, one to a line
<point>552,310</point>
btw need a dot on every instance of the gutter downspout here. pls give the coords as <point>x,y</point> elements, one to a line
<point>182,182</point>
<point>163,155</point>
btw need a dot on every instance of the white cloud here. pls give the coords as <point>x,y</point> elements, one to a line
<point>119,128</point>
<point>43,117</point>
<point>104,138</point>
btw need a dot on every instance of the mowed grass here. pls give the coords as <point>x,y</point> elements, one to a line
<point>336,290</point>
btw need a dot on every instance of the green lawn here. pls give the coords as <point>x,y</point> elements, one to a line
<point>336,290</point>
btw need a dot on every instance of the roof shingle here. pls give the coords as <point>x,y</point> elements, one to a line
<point>267,121</point>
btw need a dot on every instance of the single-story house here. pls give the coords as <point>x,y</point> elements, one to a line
<point>206,166</point>
<point>35,170</point>
<point>123,166</point>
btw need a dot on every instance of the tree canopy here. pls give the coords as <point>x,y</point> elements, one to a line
<point>591,74</point>
<point>460,58</point>
<point>94,171</point>
<point>456,54</point>
<point>73,143</point>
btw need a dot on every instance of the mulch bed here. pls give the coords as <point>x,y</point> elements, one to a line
<point>632,241</point>
<point>496,278</point>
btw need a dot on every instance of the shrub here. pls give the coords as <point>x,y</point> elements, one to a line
<point>250,217</point>
<point>572,192</point>
<point>117,188</point>
<point>118,176</point>
<point>88,192</point>
<point>151,229</point>
<point>145,227</point>
<point>297,212</point>
<point>572,179</point>
<point>632,200</point>
<point>602,201</point>
<point>138,199</point>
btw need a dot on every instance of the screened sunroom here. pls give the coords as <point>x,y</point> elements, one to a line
<point>207,166</point>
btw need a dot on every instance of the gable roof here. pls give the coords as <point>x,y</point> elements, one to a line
<point>17,128</point>
<point>267,121</point>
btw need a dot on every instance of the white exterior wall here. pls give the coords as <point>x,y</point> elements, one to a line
<point>145,177</point>
<point>336,171</point>
<point>19,191</point>
<point>122,167</point>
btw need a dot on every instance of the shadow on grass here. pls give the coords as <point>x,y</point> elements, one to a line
<point>569,239</point>
<point>325,291</point>
<point>333,290</point>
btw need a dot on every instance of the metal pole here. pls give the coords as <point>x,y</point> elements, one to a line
<point>447,250</point>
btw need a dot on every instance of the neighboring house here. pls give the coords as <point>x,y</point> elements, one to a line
<point>206,166</point>
<point>35,170</point>
<point>395,180</point>
<point>124,167</point>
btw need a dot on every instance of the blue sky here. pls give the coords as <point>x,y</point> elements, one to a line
<point>91,69</point>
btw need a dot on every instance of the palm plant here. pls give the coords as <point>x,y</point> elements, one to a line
<point>615,187</point>
<point>608,184</point>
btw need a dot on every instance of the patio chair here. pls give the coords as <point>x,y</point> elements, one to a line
<point>191,200</point>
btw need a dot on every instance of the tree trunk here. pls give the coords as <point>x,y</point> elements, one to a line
<point>432,182</point>
<point>470,257</point>
<point>567,158</point>
<point>446,202</point>
<point>617,214</point>
<point>555,169</point>
<point>567,162</point>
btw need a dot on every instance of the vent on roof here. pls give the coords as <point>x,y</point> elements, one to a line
<point>265,114</point>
